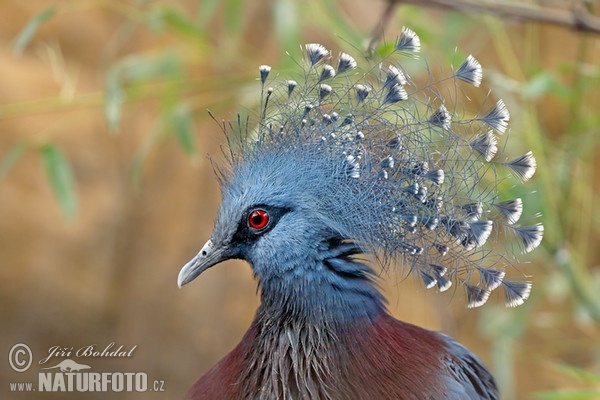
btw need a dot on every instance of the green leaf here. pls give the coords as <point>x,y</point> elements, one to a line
<point>141,155</point>
<point>114,99</point>
<point>234,16</point>
<point>139,69</point>
<point>61,178</point>
<point>180,24</point>
<point>286,24</point>
<point>455,25</point>
<point>11,158</point>
<point>25,36</point>
<point>545,82</point>
<point>339,23</point>
<point>385,48</point>
<point>181,123</point>
<point>206,11</point>
<point>579,373</point>
<point>538,85</point>
<point>575,394</point>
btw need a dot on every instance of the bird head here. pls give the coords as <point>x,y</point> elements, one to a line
<point>363,161</point>
<point>280,207</point>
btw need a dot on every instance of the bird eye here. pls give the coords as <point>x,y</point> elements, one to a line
<point>258,219</point>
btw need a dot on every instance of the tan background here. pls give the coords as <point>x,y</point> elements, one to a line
<point>110,273</point>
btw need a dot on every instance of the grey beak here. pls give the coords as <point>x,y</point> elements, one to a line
<point>208,256</point>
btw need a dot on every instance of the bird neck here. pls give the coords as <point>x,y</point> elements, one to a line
<point>296,357</point>
<point>319,303</point>
<point>328,289</point>
<point>305,327</point>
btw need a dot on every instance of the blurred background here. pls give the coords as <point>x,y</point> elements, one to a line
<point>106,189</point>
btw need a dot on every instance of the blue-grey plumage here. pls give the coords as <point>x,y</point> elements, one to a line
<point>350,162</point>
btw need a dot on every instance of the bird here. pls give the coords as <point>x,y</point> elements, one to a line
<point>344,174</point>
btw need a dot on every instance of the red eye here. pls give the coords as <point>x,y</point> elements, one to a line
<point>258,219</point>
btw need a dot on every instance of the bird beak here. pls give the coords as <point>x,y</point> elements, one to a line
<point>208,256</point>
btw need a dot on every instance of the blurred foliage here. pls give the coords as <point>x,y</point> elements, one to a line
<point>60,177</point>
<point>32,26</point>
<point>199,59</point>
<point>593,380</point>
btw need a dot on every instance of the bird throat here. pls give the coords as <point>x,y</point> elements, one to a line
<point>300,359</point>
<point>329,293</point>
<point>292,361</point>
<point>301,347</point>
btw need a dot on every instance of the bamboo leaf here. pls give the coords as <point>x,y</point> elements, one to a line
<point>339,23</point>
<point>206,11</point>
<point>114,99</point>
<point>575,394</point>
<point>182,125</point>
<point>61,178</point>
<point>181,24</point>
<point>286,23</point>
<point>25,36</point>
<point>542,83</point>
<point>579,373</point>
<point>141,155</point>
<point>139,69</point>
<point>234,16</point>
<point>11,158</point>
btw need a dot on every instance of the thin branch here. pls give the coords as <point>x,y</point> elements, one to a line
<point>380,28</point>
<point>577,18</point>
